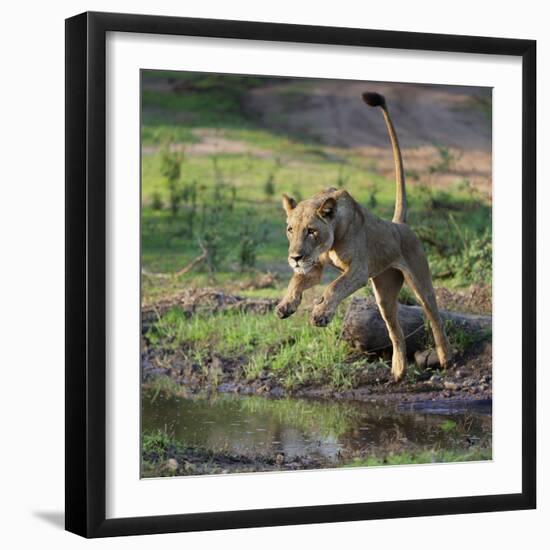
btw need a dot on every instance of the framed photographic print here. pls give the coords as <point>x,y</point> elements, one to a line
<point>300,274</point>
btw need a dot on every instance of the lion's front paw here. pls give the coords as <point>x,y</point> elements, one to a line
<point>285,309</point>
<point>321,316</point>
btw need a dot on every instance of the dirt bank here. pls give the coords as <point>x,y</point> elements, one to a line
<point>333,113</point>
<point>470,377</point>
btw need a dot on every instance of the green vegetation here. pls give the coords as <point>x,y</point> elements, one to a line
<point>196,100</point>
<point>423,457</point>
<point>462,340</point>
<point>228,200</point>
<point>159,444</point>
<point>206,206</point>
<point>294,352</point>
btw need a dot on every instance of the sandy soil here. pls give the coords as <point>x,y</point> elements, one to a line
<point>211,142</point>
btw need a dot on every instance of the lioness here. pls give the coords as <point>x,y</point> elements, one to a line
<point>332,228</point>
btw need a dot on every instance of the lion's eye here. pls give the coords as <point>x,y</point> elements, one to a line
<point>312,231</point>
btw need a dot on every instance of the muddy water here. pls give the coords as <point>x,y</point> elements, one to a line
<point>258,426</point>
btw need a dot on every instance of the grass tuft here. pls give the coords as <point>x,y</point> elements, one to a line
<point>294,351</point>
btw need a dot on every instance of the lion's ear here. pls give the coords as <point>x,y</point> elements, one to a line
<point>328,209</point>
<point>289,203</point>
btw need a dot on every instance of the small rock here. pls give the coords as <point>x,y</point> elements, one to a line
<point>424,375</point>
<point>426,359</point>
<point>216,367</point>
<point>151,373</point>
<point>172,465</point>
<point>460,373</point>
<point>452,386</point>
<point>435,379</point>
<point>277,391</point>
<point>227,387</point>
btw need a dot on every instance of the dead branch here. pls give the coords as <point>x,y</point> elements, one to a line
<point>184,269</point>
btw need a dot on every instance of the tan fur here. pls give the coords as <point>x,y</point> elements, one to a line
<point>332,228</point>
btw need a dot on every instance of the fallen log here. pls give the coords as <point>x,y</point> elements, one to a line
<point>365,330</point>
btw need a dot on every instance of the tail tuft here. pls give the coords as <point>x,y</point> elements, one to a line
<point>374,99</point>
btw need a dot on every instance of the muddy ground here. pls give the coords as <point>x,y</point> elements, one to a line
<point>190,461</point>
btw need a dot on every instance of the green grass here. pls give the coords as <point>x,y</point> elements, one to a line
<point>423,457</point>
<point>158,443</point>
<point>294,351</point>
<point>162,131</point>
<point>247,173</point>
<point>458,243</point>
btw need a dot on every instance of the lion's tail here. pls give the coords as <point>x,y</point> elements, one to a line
<point>400,213</point>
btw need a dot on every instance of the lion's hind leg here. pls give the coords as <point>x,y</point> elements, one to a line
<point>418,277</point>
<point>386,289</point>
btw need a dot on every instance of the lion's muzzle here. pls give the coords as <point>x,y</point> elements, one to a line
<point>299,264</point>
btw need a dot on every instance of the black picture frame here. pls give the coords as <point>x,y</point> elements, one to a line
<point>86,274</point>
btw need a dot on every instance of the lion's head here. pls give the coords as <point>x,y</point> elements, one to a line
<point>310,230</point>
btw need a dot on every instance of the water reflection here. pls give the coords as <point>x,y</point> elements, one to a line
<point>296,427</point>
